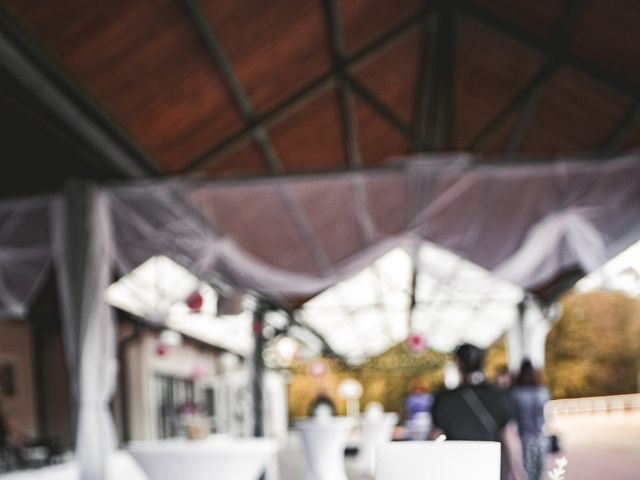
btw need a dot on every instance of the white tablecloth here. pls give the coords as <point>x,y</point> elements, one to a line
<point>121,467</point>
<point>428,460</point>
<point>373,431</point>
<point>324,441</point>
<point>219,458</point>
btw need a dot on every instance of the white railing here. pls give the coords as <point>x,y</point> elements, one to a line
<point>594,405</point>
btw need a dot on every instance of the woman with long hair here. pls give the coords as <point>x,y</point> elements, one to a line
<point>529,397</point>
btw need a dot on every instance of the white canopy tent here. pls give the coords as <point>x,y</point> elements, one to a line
<point>367,314</point>
<point>291,237</point>
<point>621,273</point>
<point>156,292</point>
<point>457,301</point>
<point>449,301</point>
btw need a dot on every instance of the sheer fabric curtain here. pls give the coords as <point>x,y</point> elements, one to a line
<point>25,254</point>
<point>297,236</point>
<point>83,246</point>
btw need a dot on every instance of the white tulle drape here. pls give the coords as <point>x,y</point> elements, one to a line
<point>297,236</point>
<point>24,253</point>
<point>83,255</point>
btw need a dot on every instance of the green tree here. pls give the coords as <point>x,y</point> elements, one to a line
<point>594,349</point>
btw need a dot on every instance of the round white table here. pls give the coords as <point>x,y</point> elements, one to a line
<point>121,466</point>
<point>324,440</point>
<point>222,458</point>
<point>374,430</point>
<point>428,460</point>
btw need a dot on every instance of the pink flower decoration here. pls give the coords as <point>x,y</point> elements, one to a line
<point>317,368</point>
<point>198,372</point>
<point>416,343</point>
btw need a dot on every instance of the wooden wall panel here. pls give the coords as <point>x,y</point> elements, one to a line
<point>364,20</point>
<point>575,114</point>
<point>536,17</point>
<point>632,142</point>
<point>311,138</point>
<point>393,74</point>
<point>147,67</point>
<point>490,70</point>
<point>276,47</point>
<point>608,35</point>
<point>243,160</point>
<point>379,142</point>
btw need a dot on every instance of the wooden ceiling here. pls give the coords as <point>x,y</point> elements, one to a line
<point>262,87</point>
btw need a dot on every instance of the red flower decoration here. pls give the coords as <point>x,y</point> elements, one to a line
<point>194,301</point>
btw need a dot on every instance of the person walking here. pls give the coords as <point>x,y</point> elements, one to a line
<point>475,410</point>
<point>417,411</point>
<point>529,397</point>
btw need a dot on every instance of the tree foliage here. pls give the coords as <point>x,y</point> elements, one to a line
<point>594,349</point>
<point>387,378</point>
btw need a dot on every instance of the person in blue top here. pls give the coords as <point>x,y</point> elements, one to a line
<point>418,400</point>
<point>529,397</point>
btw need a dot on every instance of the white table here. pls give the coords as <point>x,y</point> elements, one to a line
<point>213,458</point>
<point>428,460</point>
<point>324,440</point>
<point>374,430</point>
<point>120,467</point>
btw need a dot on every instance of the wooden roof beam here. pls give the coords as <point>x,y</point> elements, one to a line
<point>236,90</point>
<point>560,43</point>
<point>309,91</point>
<point>529,96</point>
<point>599,74</point>
<point>336,47</point>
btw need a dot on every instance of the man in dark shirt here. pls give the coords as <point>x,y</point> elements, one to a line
<point>475,410</point>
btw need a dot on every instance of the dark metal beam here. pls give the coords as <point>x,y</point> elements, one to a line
<point>302,96</point>
<point>599,74</point>
<point>222,63</point>
<point>123,381</point>
<point>352,148</point>
<point>74,108</point>
<point>442,134</point>
<point>483,161</point>
<point>383,110</point>
<point>387,39</point>
<point>616,139</point>
<point>558,48</point>
<point>336,47</point>
<point>524,122</point>
<point>531,93</point>
<point>255,130</point>
<point>424,85</point>
<point>311,90</point>
<point>257,374</point>
<point>516,102</point>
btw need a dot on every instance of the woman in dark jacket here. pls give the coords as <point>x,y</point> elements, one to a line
<point>529,397</point>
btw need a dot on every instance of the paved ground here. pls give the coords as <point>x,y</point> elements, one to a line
<point>603,446</point>
<point>598,447</point>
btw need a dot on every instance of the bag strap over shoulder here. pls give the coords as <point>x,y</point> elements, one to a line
<point>480,411</point>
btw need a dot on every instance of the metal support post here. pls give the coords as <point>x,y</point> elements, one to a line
<point>257,378</point>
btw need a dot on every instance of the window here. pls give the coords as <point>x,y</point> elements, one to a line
<point>175,396</point>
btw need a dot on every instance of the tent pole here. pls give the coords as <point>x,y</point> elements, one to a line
<point>258,371</point>
<point>515,340</point>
